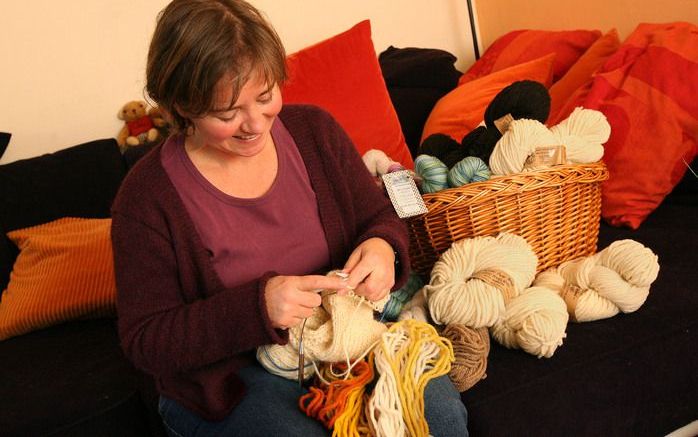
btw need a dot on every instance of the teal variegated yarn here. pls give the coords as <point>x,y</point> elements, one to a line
<point>400,297</point>
<point>433,172</point>
<point>467,170</point>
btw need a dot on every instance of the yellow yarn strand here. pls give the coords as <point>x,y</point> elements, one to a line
<point>410,354</point>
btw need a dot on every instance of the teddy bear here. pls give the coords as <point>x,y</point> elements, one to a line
<point>140,124</point>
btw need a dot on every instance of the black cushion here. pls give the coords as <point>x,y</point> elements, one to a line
<point>80,181</point>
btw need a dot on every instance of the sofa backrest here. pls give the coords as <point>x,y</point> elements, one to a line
<point>80,181</point>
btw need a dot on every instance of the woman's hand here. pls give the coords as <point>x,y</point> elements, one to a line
<point>371,268</point>
<point>290,299</point>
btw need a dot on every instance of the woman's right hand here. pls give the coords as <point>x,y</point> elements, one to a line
<point>290,299</point>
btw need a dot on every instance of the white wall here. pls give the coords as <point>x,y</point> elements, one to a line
<point>69,65</point>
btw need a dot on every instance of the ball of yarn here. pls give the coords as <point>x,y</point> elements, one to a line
<point>473,279</point>
<point>583,133</point>
<point>433,172</point>
<point>400,297</point>
<point>636,263</point>
<point>522,99</point>
<point>534,321</point>
<point>471,348</point>
<point>480,142</point>
<point>517,143</point>
<point>467,170</point>
<point>438,145</point>
<point>416,308</point>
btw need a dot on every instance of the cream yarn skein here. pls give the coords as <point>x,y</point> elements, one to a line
<point>534,321</point>
<point>473,279</point>
<point>416,308</point>
<point>617,279</point>
<point>517,143</point>
<point>583,133</point>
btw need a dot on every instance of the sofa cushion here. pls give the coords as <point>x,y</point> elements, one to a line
<point>341,75</point>
<point>80,181</point>
<point>64,271</point>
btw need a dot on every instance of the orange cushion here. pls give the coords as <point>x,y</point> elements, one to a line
<point>342,75</point>
<point>64,271</point>
<point>525,45</point>
<point>647,90</point>
<point>580,73</point>
<point>461,110</point>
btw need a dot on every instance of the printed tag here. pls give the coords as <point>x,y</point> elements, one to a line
<point>404,194</point>
<point>546,156</point>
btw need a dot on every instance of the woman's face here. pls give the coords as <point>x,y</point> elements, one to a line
<point>243,130</point>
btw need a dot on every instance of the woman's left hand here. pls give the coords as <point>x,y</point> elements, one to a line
<point>371,269</point>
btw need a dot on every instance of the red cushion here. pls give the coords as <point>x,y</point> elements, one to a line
<point>342,75</point>
<point>580,73</point>
<point>647,90</point>
<point>525,45</point>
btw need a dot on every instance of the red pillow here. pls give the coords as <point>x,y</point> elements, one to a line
<point>647,90</point>
<point>463,109</point>
<point>580,74</point>
<point>342,75</point>
<point>525,45</point>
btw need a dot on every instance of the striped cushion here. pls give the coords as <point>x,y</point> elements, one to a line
<point>64,271</point>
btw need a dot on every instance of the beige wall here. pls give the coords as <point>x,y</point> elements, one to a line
<point>496,17</point>
<point>68,66</point>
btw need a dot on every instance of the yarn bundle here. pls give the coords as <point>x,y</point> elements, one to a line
<point>342,328</point>
<point>472,280</point>
<point>534,321</point>
<point>399,298</point>
<point>616,279</point>
<point>432,172</point>
<point>583,134</point>
<point>409,355</point>
<point>470,348</point>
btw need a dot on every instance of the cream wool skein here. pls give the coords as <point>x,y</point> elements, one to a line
<point>583,133</point>
<point>517,143</point>
<point>473,279</point>
<point>534,321</point>
<point>416,308</point>
<point>600,286</point>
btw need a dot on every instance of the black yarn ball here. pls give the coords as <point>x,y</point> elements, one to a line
<point>522,99</point>
<point>480,142</point>
<point>438,146</point>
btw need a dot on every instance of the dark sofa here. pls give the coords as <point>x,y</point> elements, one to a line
<point>631,375</point>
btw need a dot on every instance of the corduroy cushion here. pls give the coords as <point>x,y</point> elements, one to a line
<point>520,46</point>
<point>64,271</point>
<point>342,75</point>
<point>463,109</point>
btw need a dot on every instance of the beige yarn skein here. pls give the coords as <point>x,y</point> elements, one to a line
<point>517,143</point>
<point>473,279</point>
<point>534,321</point>
<point>416,308</point>
<point>583,133</point>
<point>600,286</point>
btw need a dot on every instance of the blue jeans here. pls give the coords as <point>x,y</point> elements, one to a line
<point>270,408</point>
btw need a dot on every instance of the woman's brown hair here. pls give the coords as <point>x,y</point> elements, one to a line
<point>198,42</point>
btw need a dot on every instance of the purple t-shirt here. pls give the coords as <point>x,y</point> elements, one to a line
<point>279,231</point>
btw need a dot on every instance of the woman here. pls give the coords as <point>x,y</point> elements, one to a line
<point>222,234</point>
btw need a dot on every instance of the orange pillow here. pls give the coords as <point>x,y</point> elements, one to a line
<point>342,76</point>
<point>64,271</point>
<point>525,45</point>
<point>463,109</point>
<point>580,73</point>
<point>647,90</point>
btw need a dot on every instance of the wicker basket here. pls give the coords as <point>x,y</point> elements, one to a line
<point>556,210</point>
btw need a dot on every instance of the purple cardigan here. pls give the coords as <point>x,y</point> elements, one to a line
<point>176,320</point>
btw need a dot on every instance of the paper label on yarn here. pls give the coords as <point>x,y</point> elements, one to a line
<point>502,123</point>
<point>546,156</point>
<point>404,194</point>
